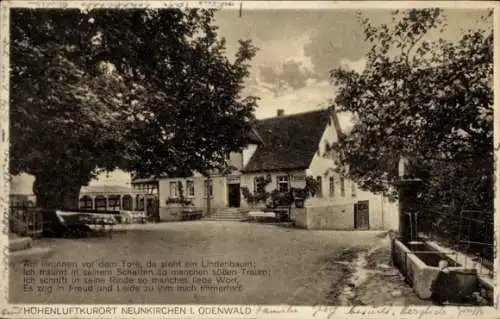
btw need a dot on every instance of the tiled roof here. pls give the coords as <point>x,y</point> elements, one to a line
<point>108,189</point>
<point>290,142</point>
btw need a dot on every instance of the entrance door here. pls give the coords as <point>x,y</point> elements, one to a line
<point>150,209</point>
<point>153,208</point>
<point>233,195</point>
<point>362,215</point>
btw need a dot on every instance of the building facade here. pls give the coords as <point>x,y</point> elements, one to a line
<point>286,151</point>
<point>111,198</point>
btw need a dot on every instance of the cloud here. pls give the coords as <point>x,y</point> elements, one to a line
<point>338,36</point>
<point>313,95</point>
<point>294,73</point>
<point>299,48</point>
<point>358,65</point>
<point>286,62</point>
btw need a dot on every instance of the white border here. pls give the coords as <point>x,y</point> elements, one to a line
<point>192,311</point>
<point>249,5</point>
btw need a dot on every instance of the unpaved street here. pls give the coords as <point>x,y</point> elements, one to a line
<point>300,266</point>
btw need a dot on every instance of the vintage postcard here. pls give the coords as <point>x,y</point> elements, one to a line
<point>249,159</point>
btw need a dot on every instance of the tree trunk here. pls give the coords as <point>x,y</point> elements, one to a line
<point>53,192</point>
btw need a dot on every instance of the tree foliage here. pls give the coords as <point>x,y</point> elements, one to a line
<point>148,91</point>
<point>429,100</point>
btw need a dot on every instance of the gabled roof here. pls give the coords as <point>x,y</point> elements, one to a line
<point>290,142</point>
<point>254,137</point>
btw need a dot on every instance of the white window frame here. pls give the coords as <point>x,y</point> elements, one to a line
<point>190,190</point>
<point>174,189</point>
<point>283,180</point>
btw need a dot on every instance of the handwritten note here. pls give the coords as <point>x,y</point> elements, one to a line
<point>91,5</point>
<point>12,311</point>
<point>270,310</point>
<point>48,4</point>
<point>324,311</point>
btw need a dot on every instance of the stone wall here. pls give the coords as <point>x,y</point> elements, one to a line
<point>173,212</point>
<point>199,200</point>
<point>338,217</point>
<point>330,217</point>
<point>391,215</point>
<point>170,213</point>
<point>299,215</point>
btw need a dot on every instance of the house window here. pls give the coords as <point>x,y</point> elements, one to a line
<point>332,186</point>
<point>327,148</point>
<point>209,190</point>
<point>174,189</point>
<point>342,187</point>
<point>319,183</point>
<point>259,184</point>
<point>190,188</point>
<point>114,202</point>
<point>283,183</point>
<point>100,203</point>
<point>139,203</point>
<point>86,202</point>
<point>127,202</point>
<point>353,189</point>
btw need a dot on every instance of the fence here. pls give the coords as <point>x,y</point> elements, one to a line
<point>25,220</point>
<point>469,231</point>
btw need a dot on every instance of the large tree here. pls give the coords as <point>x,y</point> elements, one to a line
<point>424,98</point>
<point>148,91</point>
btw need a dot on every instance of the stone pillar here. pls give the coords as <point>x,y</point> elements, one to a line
<point>209,199</point>
<point>408,190</point>
<point>408,208</point>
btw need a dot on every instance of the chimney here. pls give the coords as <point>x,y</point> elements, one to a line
<point>280,112</point>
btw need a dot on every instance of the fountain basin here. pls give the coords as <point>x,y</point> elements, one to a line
<point>421,264</point>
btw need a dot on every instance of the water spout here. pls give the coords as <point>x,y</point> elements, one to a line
<point>410,222</point>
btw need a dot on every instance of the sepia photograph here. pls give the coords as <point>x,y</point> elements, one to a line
<point>237,157</point>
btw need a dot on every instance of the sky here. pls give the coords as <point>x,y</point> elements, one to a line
<point>297,50</point>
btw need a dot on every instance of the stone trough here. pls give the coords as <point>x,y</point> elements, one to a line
<point>433,272</point>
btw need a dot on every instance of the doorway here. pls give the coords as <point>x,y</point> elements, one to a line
<point>362,215</point>
<point>233,195</point>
